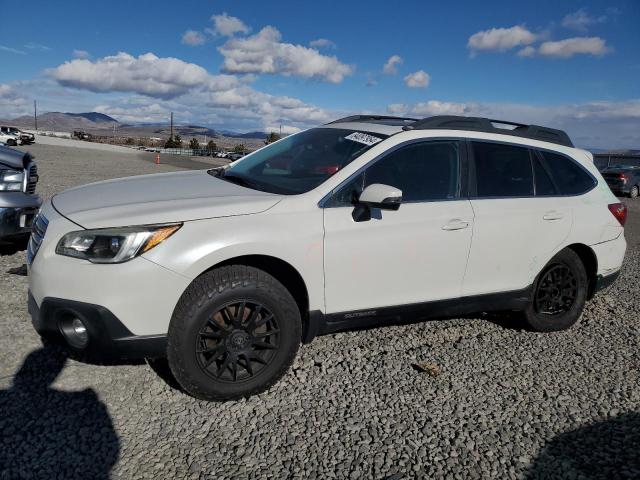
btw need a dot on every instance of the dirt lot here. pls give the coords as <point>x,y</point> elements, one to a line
<point>508,403</point>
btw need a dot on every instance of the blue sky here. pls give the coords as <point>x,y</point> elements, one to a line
<point>249,65</point>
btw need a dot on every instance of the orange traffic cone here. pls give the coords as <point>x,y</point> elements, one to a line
<point>158,158</point>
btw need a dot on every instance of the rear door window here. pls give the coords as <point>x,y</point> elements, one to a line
<point>502,170</point>
<point>569,177</point>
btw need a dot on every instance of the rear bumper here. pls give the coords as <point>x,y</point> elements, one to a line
<point>604,281</point>
<point>109,339</point>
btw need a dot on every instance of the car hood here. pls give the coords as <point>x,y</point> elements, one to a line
<point>13,158</point>
<point>159,198</point>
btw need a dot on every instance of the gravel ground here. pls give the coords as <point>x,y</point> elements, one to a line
<point>495,400</point>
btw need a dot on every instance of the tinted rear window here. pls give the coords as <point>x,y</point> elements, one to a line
<point>502,170</point>
<point>569,177</point>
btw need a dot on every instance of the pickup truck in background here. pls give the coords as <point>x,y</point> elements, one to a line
<point>19,202</point>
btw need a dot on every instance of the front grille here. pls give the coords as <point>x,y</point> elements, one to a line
<point>37,235</point>
<point>32,178</point>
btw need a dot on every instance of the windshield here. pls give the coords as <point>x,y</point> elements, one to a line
<point>300,162</point>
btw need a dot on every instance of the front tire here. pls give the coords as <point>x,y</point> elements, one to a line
<point>635,191</point>
<point>234,333</point>
<point>559,294</point>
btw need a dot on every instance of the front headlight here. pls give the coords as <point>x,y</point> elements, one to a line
<point>11,180</point>
<point>114,245</point>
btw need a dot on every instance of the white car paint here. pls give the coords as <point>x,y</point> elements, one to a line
<point>405,256</point>
<point>8,138</point>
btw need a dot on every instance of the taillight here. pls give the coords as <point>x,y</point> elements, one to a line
<point>619,210</point>
<point>623,177</point>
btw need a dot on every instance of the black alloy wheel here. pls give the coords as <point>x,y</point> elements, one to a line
<point>557,290</point>
<point>238,341</point>
<point>234,333</point>
<point>559,293</point>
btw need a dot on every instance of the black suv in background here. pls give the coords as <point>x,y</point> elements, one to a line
<point>623,180</point>
<point>19,202</point>
<point>621,172</point>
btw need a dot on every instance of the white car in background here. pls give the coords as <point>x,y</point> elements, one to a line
<point>10,139</point>
<point>360,222</point>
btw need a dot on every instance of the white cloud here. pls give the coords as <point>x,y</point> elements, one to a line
<point>82,54</point>
<point>500,39</point>
<point>391,67</point>
<point>581,20</point>
<point>419,79</point>
<point>435,107</point>
<point>4,48</point>
<point>146,74</point>
<point>527,51</point>
<point>135,113</point>
<point>265,53</point>
<point>12,102</point>
<point>322,43</point>
<point>192,38</point>
<point>37,46</point>
<point>574,46</point>
<point>397,108</point>
<point>227,25</point>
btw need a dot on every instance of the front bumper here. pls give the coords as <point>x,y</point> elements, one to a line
<point>141,294</point>
<point>109,339</point>
<point>16,222</point>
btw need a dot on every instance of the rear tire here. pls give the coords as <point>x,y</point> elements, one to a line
<point>234,333</point>
<point>559,294</point>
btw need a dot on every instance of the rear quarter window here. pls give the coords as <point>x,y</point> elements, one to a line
<point>567,174</point>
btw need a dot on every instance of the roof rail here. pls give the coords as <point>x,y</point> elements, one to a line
<point>363,118</point>
<point>481,124</point>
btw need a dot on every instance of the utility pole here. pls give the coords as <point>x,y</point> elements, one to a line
<point>280,130</point>
<point>171,137</point>
<point>35,114</point>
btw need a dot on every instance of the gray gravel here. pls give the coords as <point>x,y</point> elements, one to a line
<point>500,402</point>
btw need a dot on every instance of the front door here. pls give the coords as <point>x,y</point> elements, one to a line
<point>415,254</point>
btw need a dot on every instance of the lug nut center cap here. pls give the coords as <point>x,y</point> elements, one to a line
<point>238,340</point>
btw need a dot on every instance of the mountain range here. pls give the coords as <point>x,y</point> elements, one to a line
<point>101,124</point>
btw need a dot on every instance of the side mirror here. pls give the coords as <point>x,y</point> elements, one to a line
<point>384,197</point>
<point>379,196</point>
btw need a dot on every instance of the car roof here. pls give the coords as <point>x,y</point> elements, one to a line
<point>370,127</point>
<point>391,125</point>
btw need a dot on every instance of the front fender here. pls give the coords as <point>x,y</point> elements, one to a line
<point>295,238</point>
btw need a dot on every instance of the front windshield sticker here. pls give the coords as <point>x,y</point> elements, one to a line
<point>363,138</point>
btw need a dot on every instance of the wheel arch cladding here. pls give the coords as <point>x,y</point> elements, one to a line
<point>282,271</point>
<point>590,262</point>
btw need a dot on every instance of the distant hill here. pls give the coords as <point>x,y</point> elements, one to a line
<point>101,124</point>
<point>93,116</point>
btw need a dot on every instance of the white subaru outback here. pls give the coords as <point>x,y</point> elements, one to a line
<point>366,220</point>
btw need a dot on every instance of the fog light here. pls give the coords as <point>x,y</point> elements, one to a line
<point>75,332</point>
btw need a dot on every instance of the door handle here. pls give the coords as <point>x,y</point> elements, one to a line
<point>455,224</point>
<point>553,215</point>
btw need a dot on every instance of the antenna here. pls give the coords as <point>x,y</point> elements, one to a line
<point>35,114</point>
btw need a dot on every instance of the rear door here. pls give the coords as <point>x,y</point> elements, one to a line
<point>520,219</point>
<point>415,254</point>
